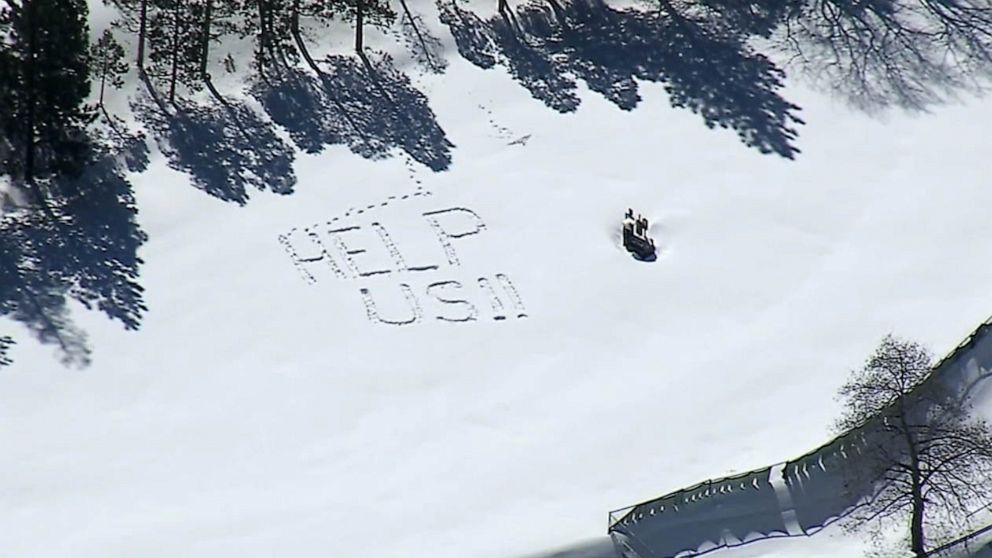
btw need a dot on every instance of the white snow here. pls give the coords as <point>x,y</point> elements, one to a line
<point>254,414</point>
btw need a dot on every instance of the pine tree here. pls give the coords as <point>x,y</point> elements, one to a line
<point>320,11</point>
<point>271,24</point>
<point>174,45</point>
<point>108,63</point>
<point>46,83</point>
<point>133,19</point>
<point>373,12</point>
<point>212,25</point>
<point>8,69</point>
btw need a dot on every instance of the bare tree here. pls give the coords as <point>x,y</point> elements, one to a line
<point>929,459</point>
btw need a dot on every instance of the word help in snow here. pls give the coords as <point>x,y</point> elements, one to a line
<point>400,286</point>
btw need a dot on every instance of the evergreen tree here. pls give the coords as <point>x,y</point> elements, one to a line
<point>319,11</point>
<point>214,18</point>
<point>8,68</point>
<point>271,24</point>
<point>180,33</point>
<point>46,83</point>
<point>133,19</point>
<point>108,63</point>
<point>174,45</point>
<point>373,12</point>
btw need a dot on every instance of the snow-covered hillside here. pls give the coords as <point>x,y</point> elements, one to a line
<point>487,372</point>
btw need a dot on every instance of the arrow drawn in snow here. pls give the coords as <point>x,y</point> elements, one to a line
<point>522,140</point>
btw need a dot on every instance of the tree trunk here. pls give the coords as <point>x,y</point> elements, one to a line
<point>262,36</point>
<point>294,26</point>
<point>103,83</point>
<point>142,19</point>
<point>175,53</point>
<point>32,100</point>
<point>295,30</point>
<point>205,46</point>
<point>205,52</point>
<point>416,30</point>
<point>917,541</point>
<point>359,17</point>
<point>103,75</point>
<point>276,47</point>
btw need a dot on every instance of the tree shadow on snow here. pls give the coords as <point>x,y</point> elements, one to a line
<point>879,53</point>
<point>529,57</point>
<point>709,69</point>
<point>226,149</point>
<point>364,103</point>
<point>426,49</point>
<point>83,249</point>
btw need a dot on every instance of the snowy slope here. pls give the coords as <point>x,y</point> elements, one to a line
<point>258,413</point>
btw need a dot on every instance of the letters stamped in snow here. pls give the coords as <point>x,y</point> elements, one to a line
<point>400,285</point>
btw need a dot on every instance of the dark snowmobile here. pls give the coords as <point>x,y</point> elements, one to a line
<point>636,239</point>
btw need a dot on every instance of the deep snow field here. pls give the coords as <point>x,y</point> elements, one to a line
<point>261,411</point>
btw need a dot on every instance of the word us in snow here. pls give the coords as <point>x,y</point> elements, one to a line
<point>398,289</point>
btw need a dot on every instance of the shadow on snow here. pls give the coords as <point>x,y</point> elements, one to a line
<point>84,250</point>
<point>225,149</point>
<point>364,103</point>
<point>707,69</point>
